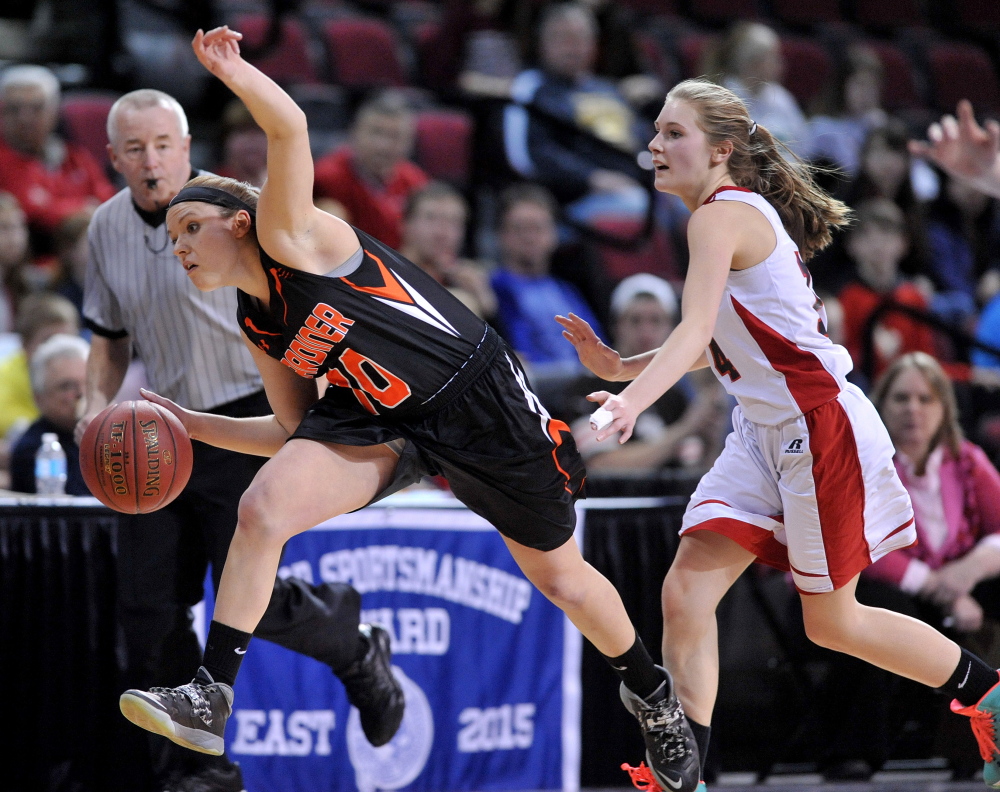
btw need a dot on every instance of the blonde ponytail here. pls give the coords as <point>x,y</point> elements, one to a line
<point>761,163</point>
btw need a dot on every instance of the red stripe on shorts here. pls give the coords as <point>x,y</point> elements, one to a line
<point>756,540</point>
<point>808,381</point>
<point>840,491</point>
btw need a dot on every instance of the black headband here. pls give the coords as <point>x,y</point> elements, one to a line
<point>211,195</point>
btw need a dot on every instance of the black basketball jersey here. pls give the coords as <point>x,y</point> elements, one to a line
<point>388,331</point>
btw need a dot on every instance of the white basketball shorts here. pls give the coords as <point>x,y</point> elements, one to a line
<point>817,495</point>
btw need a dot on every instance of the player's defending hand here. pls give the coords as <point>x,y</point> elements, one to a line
<point>962,147</point>
<point>218,51</point>
<point>622,413</point>
<point>594,353</point>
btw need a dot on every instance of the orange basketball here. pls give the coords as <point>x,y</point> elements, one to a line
<point>136,457</point>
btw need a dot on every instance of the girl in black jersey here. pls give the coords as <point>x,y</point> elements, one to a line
<point>417,384</point>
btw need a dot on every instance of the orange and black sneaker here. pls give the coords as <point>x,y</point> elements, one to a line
<point>671,749</point>
<point>985,716</point>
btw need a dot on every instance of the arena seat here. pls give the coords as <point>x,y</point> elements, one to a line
<point>807,67</point>
<point>798,14</point>
<point>363,53</point>
<point>899,89</point>
<point>289,60</point>
<point>962,71</point>
<point>444,144</point>
<point>85,118</point>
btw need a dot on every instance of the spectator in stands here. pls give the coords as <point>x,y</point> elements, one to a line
<point>877,243</point>
<point>51,177</point>
<point>750,64</point>
<point>71,256</point>
<point>685,426</point>
<point>963,232</point>
<point>849,110</point>
<point>964,148</point>
<point>15,257</point>
<point>58,376</point>
<point>591,180</point>
<point>887,171</point>
<point>528,296</point>
<point>434,225</point>
<point>42,316</point>
<point>986,366</point>
<point>244,146</point>
<point>367,181</point>
<point>947,579</point>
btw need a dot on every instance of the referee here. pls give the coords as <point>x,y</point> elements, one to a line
<point>137,300</point>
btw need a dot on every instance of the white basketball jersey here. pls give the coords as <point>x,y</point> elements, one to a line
<point>769,348</point>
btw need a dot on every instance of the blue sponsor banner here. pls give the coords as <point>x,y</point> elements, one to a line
<point>490,668</point>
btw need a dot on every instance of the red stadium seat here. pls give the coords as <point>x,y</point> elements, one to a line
<point>363,53</point>
<point>656,256</point>
<point>654,58</point>
<point>807,68</point>
<point>962,71</point>
<point>444,144</point>
<point>289,60</point>
<point>899,90</point>
<point>982,16</point>
<point>721,11</point>
<point>85,117</point>
<point>799,13</point>
<point>652,7</point>
<point>889,13</point>
<point>691,50</point>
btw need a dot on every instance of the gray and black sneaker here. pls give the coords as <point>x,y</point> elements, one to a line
<point>671,749</point>
<point>372,688</point>
<point>192,715</point>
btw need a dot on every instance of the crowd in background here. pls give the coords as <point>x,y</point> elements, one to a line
<point>499,144</point>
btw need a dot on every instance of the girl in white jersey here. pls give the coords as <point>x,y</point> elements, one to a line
<point>806,481</point>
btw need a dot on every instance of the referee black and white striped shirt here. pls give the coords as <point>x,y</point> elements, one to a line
<point>188,340</point>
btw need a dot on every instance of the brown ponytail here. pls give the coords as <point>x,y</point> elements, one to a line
<point>765,165</point>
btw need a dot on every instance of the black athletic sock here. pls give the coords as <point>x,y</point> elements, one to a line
<point>971,680</point>
<point>637,670</point>
<point>701,736</point>
<point>224,650</point>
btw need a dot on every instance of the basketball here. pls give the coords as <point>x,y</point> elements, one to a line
<point>136,457</point>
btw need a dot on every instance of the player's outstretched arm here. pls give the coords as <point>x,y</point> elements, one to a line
<point>714,233</point>
<point>261,436</point>
<point>964,148</point>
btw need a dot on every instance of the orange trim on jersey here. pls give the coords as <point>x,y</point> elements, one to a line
<point>392,289</point>
<point>252,326</point>
<point>277,288</point>
<point>554,429</point>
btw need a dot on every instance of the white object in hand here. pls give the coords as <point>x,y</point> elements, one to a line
<point>600,419</point>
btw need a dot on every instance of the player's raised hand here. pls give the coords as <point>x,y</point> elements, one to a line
<point>593,353</point>
<point>960,145</point>
<point>218,51</point>
<point>622,413</point>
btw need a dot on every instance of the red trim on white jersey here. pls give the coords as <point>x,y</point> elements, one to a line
<point>808,381</point>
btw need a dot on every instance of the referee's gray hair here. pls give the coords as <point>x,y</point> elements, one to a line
<point>141,100</point>
<point>37,76</point>
<point>61,345</point>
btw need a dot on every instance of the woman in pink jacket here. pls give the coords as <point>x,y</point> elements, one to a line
<point>955,491</point>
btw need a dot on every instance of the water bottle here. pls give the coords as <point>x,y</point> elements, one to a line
<point>50,466</point>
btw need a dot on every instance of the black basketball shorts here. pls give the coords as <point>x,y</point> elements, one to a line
<point>503,455</point>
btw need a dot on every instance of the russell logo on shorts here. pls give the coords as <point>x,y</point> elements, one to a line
<point>794,447</point>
